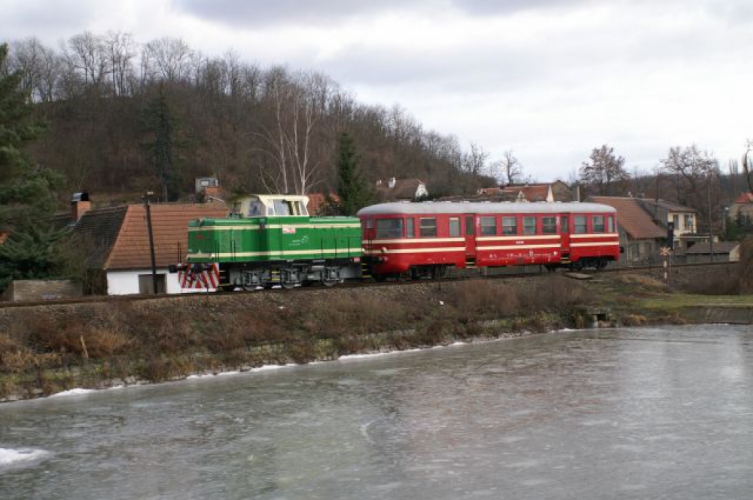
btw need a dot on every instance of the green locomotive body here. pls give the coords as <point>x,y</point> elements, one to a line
<point>270,239</point>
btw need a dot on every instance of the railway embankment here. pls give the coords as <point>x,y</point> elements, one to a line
<point>49,348</point>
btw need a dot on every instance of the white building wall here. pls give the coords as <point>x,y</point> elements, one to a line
<point>127,282</point>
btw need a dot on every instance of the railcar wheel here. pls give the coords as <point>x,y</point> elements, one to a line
<point>330,282</point>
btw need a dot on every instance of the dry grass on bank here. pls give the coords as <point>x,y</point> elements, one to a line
<point>55,348</point>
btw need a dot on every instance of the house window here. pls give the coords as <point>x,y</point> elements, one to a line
<point>146,286</point>
<point>689,222</point>
<point>549,225</point>
<point>529,225</point>
<point>469,226</point>
<point>581,224</point>
<point>454,227</point>
<point>598,222</point>
<point>410,232</point>
<point>488,226</point>
<point>389,228</point>
<point>509,225</point>
<point>429,227</point>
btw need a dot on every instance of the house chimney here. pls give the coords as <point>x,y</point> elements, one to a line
<point>80,204</point>
<point>392,182</point>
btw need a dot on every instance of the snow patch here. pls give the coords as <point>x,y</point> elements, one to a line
<point>10,456</point>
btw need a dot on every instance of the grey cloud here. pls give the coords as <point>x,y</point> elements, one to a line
<point>266,12</point>
<point>495,7</point>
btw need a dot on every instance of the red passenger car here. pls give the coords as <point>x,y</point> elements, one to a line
<point>425,239</point>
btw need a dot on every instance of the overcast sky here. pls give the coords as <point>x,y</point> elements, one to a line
<point>548,79</point>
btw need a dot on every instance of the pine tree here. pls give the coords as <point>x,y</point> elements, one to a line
<point>25,190</point>
<point>352,189</point>
<point>161,123</point>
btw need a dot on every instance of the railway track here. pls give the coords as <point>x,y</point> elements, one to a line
<point>529,271</point>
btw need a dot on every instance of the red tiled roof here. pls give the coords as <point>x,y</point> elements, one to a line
<point>744,198</point>
<point>531,193</point>
<point>169,229</point>
<point>635,221</point>
<point>404,189</point>
<point>319,200</point>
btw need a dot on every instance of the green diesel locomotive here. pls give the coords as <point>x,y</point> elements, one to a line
<point>269,240</point>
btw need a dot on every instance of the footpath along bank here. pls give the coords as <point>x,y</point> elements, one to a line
<point>51,348</point>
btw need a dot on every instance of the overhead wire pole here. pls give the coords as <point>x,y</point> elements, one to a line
<point>151,240</point>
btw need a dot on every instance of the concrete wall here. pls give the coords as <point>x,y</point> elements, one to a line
<point>42,290</point>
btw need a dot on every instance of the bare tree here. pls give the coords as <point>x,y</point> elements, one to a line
<point>746,162</point>
<point>603,170</point>
<point>85,55</point>
<point>120,50</point>
<point>510,168</point>
<point>168,59</point>
<point>691,168</point>
<point>474,161</point>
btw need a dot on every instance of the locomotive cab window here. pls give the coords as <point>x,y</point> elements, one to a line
<point>580,225</point>
<point>488,226</point>
<point>598,222</point>
<point>428,227</point>
<point>509,225</point>
<point>529,225</point>
<point>255,209</point>
<point>610,224</point>
<point>454,227</point>
<point>389,228</point>
<point>549,225</point>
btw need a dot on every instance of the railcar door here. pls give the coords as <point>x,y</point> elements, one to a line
<point>470,241</point>
<point>565,238</point>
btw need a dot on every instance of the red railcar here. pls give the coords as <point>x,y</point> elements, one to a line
<point>425,239</point>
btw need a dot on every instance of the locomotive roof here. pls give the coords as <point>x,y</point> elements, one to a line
<point>452,207</point>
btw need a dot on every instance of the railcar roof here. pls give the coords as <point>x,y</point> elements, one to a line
<point>452,207</point>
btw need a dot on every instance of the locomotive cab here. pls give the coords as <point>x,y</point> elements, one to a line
<point>269,205</point>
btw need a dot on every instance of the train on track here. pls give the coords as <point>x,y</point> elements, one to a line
<point>270,240</point>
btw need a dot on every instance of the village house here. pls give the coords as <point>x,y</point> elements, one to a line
<point>741,211</point>
<point>640,236</point>
<point>401,190</point>
<point>117,243</point>
<point>684,220</point>
<point>556,191</point>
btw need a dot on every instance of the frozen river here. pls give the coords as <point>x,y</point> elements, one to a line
<point>631,413</point>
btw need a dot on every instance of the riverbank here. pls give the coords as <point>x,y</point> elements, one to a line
<point>49,349</point>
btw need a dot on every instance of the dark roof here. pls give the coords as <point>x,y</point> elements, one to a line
<point>667,205</point>
<point>98,229</point>
<point>404,189</point>
<point>635,221</point>
<point>119,238</point>
<point>719,247</point>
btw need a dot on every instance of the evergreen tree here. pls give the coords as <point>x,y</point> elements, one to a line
<point>161,123</point>
<point>25,190</point>
<point>353,191</point>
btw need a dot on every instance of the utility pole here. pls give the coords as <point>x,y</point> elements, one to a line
<point>151,240</point>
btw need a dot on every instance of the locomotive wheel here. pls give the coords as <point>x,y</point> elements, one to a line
<point>330,282</point>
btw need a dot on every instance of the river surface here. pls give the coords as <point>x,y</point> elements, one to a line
<point>630,413</point>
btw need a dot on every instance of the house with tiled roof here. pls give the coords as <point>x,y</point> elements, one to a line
<point>401,189</point>
<point>741,210</point>
<point>118,250</point>
<point>556,191</point>
<point>684,221</point>
<point>640,236</point>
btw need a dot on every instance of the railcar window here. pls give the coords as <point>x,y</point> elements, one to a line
<point>610,224</point>
<point>429,228</point>
<point>565,224</point>
<point>469,226</point>
<point>509,225</point>
<point>580,225</point>
<point>410,232</point>
<point>488,226</point>
<point>549,225</point>
<point>529,225</point>
<point>389,228</point>
<point>369,223</point>
<point>598,222</point>
<point>454,227</point>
